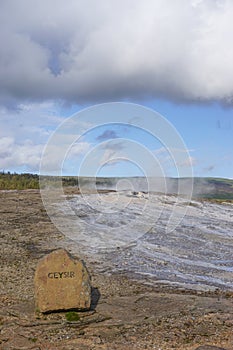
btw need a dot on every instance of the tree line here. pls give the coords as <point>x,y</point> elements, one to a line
<point>9,181</point>
<point>14,181</point>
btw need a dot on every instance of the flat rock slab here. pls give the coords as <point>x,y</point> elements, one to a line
<point>209,347</point>
<point>62,283</point>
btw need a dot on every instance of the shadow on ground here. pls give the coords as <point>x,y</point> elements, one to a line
<point>95,296</point>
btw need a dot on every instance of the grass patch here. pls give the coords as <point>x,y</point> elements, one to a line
<point>34,340</point>
<point>72,316</point>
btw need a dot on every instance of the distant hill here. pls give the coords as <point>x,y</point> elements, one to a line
<point>213,188</point>
<point>203,188</point>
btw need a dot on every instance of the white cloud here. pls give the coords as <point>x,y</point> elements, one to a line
<point>13,156</point>
<point>24,133</point>
<point>96,51</point>
<point>6,146</point>
<point>109,157</point>
<point>174,158</point>
<point>188,162</point>
<point>78,149</point>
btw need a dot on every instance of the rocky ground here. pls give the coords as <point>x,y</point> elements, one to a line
<point>125,314</point>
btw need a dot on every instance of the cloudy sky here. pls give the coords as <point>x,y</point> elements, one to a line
<point>174,56</point>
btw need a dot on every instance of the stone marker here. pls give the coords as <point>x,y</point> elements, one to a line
<point>209,347</point>
<point>61,283</point>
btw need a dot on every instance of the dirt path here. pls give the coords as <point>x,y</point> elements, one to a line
<point>125,314</point>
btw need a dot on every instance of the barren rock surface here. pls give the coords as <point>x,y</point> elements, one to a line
<point>209,347</point>
<point>125,314</point>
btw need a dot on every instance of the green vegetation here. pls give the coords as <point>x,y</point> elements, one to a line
<point>72,316</point>
<point>212,188</point>
<point>34,340</point>
<point>217,189</point>
<point>15,181</point>
<point>26,181</point>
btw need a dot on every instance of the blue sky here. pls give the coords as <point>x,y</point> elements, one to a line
<point>207,130</point>
<point>174,57</point>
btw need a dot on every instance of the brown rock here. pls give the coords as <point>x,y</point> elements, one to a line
<point>209,347</point>
<point>61,283</point>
